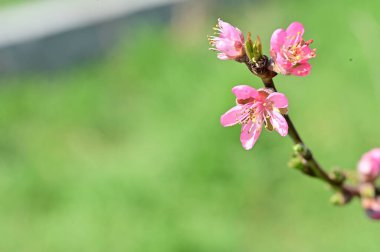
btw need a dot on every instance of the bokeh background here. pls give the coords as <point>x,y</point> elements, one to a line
<point>123,151</point>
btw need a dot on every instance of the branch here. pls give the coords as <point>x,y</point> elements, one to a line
<point>261,70</point>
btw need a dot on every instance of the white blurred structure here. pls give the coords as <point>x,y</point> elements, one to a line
<point>36,19</point>
<point>50,34</point>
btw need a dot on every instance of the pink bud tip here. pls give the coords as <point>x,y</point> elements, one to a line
<point>369,165</point>
<point>372,208</point>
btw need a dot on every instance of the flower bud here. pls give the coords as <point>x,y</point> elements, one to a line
<point>254,50</point>
<point>338,176</point>
<point>296,163</point>
<point>301,149</point>
<point>257,50</point>
<point>249,47</point>
<point>369,165</point>
<point>367,190</point>
<point>372,208</point>
<point>338,199</point>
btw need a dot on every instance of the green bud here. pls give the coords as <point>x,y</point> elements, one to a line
<point>299,148</point>
<point>338,199</point>
<point>257,50</point>
<point>249,47</point>
<point>338,176</point>
<point>367,190</point>
<point>302,150</point>
<point>296,163</point>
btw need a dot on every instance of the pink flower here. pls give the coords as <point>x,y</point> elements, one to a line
<point>229,42</point>
<point>289,52</point>
<point>255,108</point>
<point>369,165</point>
<point>372,208</point>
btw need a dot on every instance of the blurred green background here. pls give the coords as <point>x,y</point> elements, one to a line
<point>126,153</point>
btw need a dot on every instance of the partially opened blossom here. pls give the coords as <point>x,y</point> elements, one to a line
<point>254,109</point>
<point>289,52</point>
<point>369,165</point>
<point>229,41</point>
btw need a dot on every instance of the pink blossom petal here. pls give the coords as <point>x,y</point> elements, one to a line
<point>227,47</point>
<point>279,123</point>
<point>307,54</point>
<point>277,40</point>
<point>281,64</point>
<point>290,53</point>
<point>250,133</point>
<point>231,117</point>
<point>294,33</point>
<point>243,92</point>
<point>279,100</point>
<point>375,153</point>
<point>230,32</point>
<point>225,28</point>
<point>302,69</point>
<point>222,56</point>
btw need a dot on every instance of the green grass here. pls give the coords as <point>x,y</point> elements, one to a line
<point>127,154</point>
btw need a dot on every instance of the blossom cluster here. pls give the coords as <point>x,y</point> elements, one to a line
<point>290,54</point>
<point>265,107</point>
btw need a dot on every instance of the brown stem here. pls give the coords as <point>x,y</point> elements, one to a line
<point>266,76</point>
